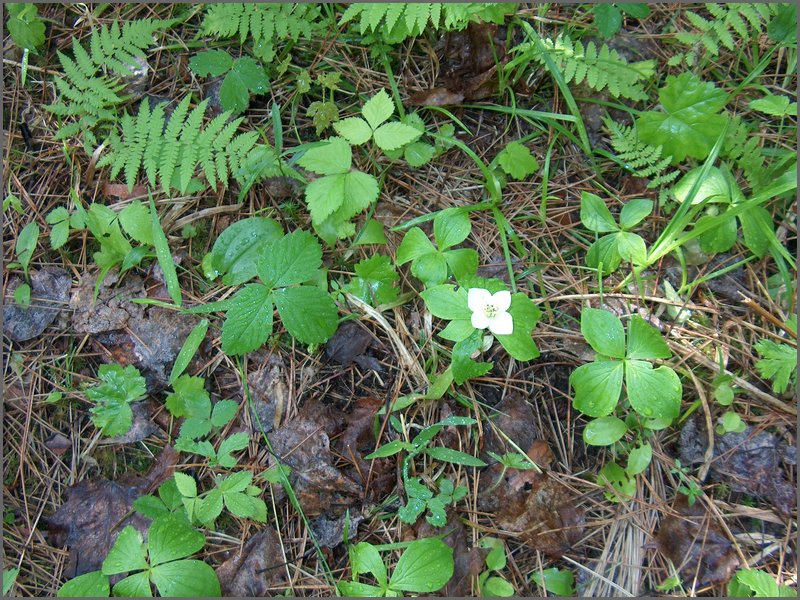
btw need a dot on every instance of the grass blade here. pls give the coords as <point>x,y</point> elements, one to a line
<point>165,256</point>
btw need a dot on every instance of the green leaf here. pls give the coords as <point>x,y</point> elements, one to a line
<point>653,393</point>
<point>372,234</point>
<point>88,585</point>
<point>757,229</point>
<point>631,247</point>
<point>516,160</point>
<point>22,295</point>
<point>556,581</point>
<point>211,62</point>
<point>59,219</point>
<point>375,281</point>
<point>445,302</point>
<point>355,130</point>
<point>731,423</point>
<point>364,558</point>
<point>165,257</point>
<point>232,443</point>
<point>245,76</point>
<point>455,457</point>
<point>457,330</point>
<point>209,508</point>
<point>783,25</point>
<point>26,244</point>
<point>355,589</point>
<point>690,123</point>
<point>136,222</point>
<point>463,366</point>
<point>638,10</point>
<point>112,413</point>
<point>604,251</point>
<point>246,507</point>
<point>186,485</point>
<point>237,250</point>
<point>608,19</point>
<point>308,313</point>
<point>778,363</point>
<point>294,258</point>
<point>595,215</point>
<point>639,459</point>
<point>634,212</point>
<point>25,27</point>
<point>761,584</point>
<point>418,154</point>
<point>190,398</point>
<point>715,187</point>
<point>378,109</point>
<point>149,506</point>
<point>248,322</point>
<point>498,587</point>
<point>604,431</point>
<point>463,262</point>
<point>170,538</point>
<point>412,510</point>
<point>777,106</point>
<point>127,554</point>
<point>597,387</point>
<point>719,238</point>
<point>603,331</point>
<point>430,269</point>
<point>450,227</point>
<point>519,342</point>
<point>425,566</point>
<point>389,449</point>
<point>186,579</point>
<point>223,412</point>
<point>135,586</point>
<point>645,341</point>
<point>496,559</point>
<point>330,158</point>
<point>394,135</point>
<point>188,350</point>
<point>414,245</point>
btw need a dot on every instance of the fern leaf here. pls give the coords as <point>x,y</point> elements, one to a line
<point>189,151</point>
<point>170,148</point>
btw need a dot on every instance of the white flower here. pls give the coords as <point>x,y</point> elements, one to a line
<point>490,310</point>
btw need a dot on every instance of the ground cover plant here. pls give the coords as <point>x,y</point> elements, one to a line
<point>467,299</point>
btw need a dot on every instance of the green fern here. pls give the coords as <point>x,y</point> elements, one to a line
<point>640,158</point>
<point>730,25</point>
<point>170,155</point>
<point>396,21</point>
<point>600,69</point>
<point>263,23</point>
<point>91,87</point>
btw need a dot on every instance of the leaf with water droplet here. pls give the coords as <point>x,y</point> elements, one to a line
<point>653,392</point>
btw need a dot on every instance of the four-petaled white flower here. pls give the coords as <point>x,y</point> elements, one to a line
<point>490,310</point>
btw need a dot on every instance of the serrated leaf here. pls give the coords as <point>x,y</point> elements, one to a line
<point>223,412</point>
<point>127,554</point>
<point>354,129</point>
<point>248,322</point>
<point>308,313</point>
<point>186,485</point>
<point>170,538</point>
<point>394,135</point>
<point>211,62</point>
<point>375,281</point>
<point>597,387</point>
<point>237,250</point>
<point>378,109</point>
<point>778,363</point>
<point>653,393</point>
<point>333,157</point>
<point>294,258</point>
<point>516,160</point>
<point>245,76</point>
<point>418,154</point>
<point>777,106</point>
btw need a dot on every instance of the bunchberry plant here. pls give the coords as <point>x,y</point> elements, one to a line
<point>425,566</point>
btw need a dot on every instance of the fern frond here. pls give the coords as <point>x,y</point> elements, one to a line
<point>260,21</point>
<point>394,22</point>
<point>745,150</point>
<point>640,158</point>
<point>710,36</point>
<point>600,69</point>
<point>143,143</point>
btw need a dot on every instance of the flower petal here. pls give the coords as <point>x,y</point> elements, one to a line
<point>477,299</point>
<point>480,320</point>
<point>502,300</point>
<point>502,324</point>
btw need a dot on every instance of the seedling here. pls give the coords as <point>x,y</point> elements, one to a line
<point>191,401</point>
<point>375,281</point>
<point>112,412</point>
<point>161,562</point>
<point>778,362</point>
<point>387,136</point>
<point>560,582</point>
<point>235,492</point>
<point>492,586</point>
<point>419,496</point>
<point>425,566</point>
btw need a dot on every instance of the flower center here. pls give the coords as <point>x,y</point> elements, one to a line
<point>491,311</point>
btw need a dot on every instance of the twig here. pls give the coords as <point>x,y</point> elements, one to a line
<point>709,455</point>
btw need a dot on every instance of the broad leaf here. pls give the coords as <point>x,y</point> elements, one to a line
<point>645,341</point>
<point>631,247</point>
<point>463,366</point>
<point>248,322</point>
<point>211,62</point>
<point>294,258</point>
<point>364,558</point>
<point>135,586</point>
<point>639,459</point>
<point>170,538</point>
<point>634,211</point>
<point>186,579</point>
<point>237,250</point>
<point>447,302</point>
<point>653,393</point>
<point>394,135</point>
<point>597,387</point>
<point>525,314</point>
<point>88,585</point>
<point>415,244</point>
<point>603,331</point>
<point>329,158</point>
<point>375,281</point>
<point>604,431</point>
<point>127,554</point>
<point>430,269</point>
<point>308,313</point>
<point>604,252</point>
<point>378,109</point>
<point>595,215</point>
<point>425,566</point>
<point>136,221</point>
<point>355,130</point>
<point>463,262</point>
<point>450,227</point>
<point>516,160</point>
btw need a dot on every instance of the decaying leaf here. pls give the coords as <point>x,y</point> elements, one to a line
<point>535,506</point>
<point>750,462</point>
<point>269,394</point>
<point>378,476</point>
<point>696,545</point>
<point>329,533</point>
<point>96,511</point>
<point>469,61</point>
<point>350,344</point>
<point>50,288</point>
<point>127,333</point>
<point>303,444</point>
<point>257,570</point>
